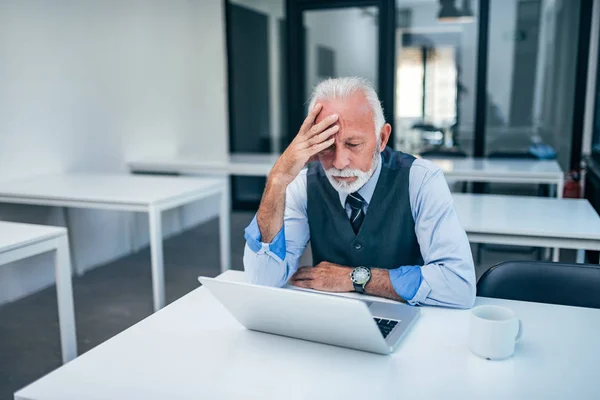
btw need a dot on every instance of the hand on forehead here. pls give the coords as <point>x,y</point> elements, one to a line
<point>354,112</point>
<point>352,106</point>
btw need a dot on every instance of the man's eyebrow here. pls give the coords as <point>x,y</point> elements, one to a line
<point>353,137</point>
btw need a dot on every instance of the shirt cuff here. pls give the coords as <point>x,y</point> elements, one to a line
<point>253,239</point>
<point>407,282</point>
<point>422,293</point>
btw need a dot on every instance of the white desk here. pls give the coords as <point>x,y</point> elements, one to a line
<point>502,170</point>
<point>237,165</point>
<point>195,349</point>
<point>467,169</point>
<point>148,194</point>
<point>529,221</point>
<point>505,220</point>
<point>19,241</point>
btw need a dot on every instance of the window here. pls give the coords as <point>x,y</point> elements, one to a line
<point>426,95</point>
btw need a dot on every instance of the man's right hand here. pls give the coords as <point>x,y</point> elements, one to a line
<point>311,139</point>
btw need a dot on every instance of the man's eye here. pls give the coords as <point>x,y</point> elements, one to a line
<point>352,144</point>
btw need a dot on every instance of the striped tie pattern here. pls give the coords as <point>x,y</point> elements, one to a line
<point>357,214</point>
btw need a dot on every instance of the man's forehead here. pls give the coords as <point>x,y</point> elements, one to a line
<point>353,108</point>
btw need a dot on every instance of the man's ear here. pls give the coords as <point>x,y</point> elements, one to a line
<point>384,136</point>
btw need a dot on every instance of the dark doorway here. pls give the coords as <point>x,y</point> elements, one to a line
<point>249,122</point>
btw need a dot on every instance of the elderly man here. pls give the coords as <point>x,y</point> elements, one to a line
<point>380,222</point>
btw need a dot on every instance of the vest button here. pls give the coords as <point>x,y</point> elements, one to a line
<point>357,246</point>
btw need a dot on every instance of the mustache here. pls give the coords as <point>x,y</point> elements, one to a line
<point>344,173</point>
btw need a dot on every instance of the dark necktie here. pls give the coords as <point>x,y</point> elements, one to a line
<point>357,215</point>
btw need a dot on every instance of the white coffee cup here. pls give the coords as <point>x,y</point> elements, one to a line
<point>494,332</point>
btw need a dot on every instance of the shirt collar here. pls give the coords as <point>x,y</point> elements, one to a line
<point>367,190</point>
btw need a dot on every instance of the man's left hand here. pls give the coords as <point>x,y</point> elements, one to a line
<point>325,276</point>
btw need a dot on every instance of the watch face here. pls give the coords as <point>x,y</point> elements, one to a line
<point>361,275</point>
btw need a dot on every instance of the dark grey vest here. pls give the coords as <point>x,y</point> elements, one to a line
<point>387,236</point>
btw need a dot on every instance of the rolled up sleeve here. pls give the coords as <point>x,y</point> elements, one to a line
<point>273,263</point>
<point>407,281</point>
<point>253,239</point>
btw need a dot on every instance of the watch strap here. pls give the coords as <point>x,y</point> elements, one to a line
<point>358,288</point>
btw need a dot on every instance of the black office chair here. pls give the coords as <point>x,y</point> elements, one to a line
<point>543,282</point>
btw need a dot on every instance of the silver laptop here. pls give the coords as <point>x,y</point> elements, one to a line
<point>373,326</point>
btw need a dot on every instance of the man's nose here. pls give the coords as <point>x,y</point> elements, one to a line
<point>341,159</point>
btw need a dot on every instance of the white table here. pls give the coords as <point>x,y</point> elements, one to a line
<point>467,169</point>
<point>195,349</point>
<point>529,221</point>
<point>19,241</point>
<point>503,171</point>
<point>460,169</point>
<point>147,194</point>
<point>236,165</point>
<point>517,220</point>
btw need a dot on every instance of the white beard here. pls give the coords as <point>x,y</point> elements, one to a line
<point>361,177</point>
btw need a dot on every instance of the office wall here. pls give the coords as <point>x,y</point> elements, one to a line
<point>86,85</point>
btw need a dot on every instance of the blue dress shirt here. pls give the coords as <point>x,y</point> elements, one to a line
<point>446,279</point>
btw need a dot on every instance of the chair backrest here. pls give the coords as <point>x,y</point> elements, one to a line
<point>543,282</point>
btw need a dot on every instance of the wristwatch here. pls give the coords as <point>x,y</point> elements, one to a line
<point>360,276</point>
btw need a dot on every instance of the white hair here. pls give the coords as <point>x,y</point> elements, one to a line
<point>340,88</point>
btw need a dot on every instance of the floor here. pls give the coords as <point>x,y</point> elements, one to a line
<point>113,297</point>
<point>108,300</point>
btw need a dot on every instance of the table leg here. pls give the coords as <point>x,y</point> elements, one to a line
<point>179,212</point>
<point>555,254</point>
<point>560,185</point>
<point>69,227</point>
<point>580,256</point>
<point>559,194</point>
<point>156,255</point>
<point>224,228</point>
<point>132,234</point>
<point>64,294</point>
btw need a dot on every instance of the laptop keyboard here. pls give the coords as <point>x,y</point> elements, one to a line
<point>385,325</point>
